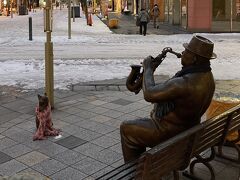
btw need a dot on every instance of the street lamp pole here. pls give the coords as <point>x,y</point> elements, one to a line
<point>49,83</point>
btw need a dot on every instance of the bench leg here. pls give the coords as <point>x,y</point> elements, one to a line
<point>204,161</point>
<point>231,144</point>
<point>222,155</point>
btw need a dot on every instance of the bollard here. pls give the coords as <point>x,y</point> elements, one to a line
<point>30,28</point>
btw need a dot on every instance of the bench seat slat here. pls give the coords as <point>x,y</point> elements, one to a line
<point>130,167</point>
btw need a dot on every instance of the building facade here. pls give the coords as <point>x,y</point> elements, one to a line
<point>204,15</point>
<point>193,15</point>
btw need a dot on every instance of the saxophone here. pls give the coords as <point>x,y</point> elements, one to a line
<point>135,78</point>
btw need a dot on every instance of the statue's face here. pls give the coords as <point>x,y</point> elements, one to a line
<point>187,58</point>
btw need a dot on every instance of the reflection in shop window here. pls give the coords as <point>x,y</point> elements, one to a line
<point>238,10</point>
<point>218,10</point>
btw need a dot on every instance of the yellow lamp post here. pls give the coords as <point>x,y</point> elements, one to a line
<point>49,83</point>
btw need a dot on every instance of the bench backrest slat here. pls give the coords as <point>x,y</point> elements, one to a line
<point>217,128</point>
<point>214,132</point>
<point>207,145</point>
<point>173,154</point>
<point>235,125</point>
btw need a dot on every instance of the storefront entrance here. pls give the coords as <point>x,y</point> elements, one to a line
<point>226,15</point>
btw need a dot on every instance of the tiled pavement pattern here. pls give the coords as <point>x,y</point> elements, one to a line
<point>90,143</point>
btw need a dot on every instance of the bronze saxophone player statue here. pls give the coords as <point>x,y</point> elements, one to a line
<point>178,103</point>
<point>134,80</point>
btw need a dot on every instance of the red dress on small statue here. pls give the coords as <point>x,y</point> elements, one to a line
<point>45,127</point>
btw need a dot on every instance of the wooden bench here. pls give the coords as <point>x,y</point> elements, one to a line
<point>168,157</point>
<point>214,134</point>
<point>163,156</point>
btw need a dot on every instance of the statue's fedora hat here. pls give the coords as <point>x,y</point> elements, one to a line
<point>201,46</point>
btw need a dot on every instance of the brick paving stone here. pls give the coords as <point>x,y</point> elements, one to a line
<point>100,118</point>
<point>111,106</point>
<point>126,117</point>
<point>140,113</point>
<point>98,110</point>
<point>4,157</point>
<point>89,166</point>
<point>71,142</point>
<point>117,148</point>
<point>5,126</point>
<point>88,149</point>
<point>59,114</point>
<point>102,128</point>
<point>85,114</point>
<point>108,156</point>
<point>49,166</point>
<point>113,122</point>
<point>69,157</point>
<point>32,158</point>
<point>32,172</point>
<point>68,174</point>
<point>16,150</point>
<point>6,142</point>
<point>98,102</point>
<point>72,119</point>
<point>229,173</point>
<point>66,103</point>
<point>105,141</point>
<point>85,106</point>
<point>12,130</point>
<point>26,125</point>
<point>72,129</point>
<point>21,136</point>
<point>18,104</point>
<point>122,102</point>
<point>87,135</point>
<point>51,149</point>
<point>113,113</point>
<point>4,110</point>
<point>37,144</point>
<point>115,134</point>
<point>59,124</point>
<point>8,117</point>
<point>11,167</point>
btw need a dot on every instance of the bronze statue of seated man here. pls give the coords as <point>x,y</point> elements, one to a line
<point>179,102</point>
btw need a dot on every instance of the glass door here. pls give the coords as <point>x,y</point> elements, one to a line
<point>184,13</point>
<point>235,16</point>
<point>166,11</point>
<point>226,16</point>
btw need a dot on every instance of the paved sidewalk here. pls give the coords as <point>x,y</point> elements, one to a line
<point>89,117</point>
<point>127,25</point>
